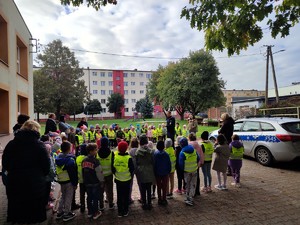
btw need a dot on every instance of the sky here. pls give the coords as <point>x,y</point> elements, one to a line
<point>153,28</point>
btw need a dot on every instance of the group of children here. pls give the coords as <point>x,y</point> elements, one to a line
<point>95,165</point>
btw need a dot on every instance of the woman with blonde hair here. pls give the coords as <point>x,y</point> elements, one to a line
<point>26,163</point>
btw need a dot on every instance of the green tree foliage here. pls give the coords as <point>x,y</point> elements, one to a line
<point>115,103</point>
<point>145,107</point>
<point>234,25</point>
<point>93,3</point>
<point>65,88</point>
<point>93,107</point>
<point>192,84</point>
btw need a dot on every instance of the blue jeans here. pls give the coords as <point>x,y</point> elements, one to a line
<point>206,173</point>
<point>93,197</point>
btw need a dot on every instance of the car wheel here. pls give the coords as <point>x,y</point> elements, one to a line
<point>263,156</point>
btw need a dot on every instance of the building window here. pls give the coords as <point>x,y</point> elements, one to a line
<point>117,78</point>
<point>125,83</point>
<point>102,74</point>
<point>125,92</point>
<point>125,74</point>
<point>102,92</point>
<point>3,41</point>
<point>103,101</point>
<point>94,73</point>
<point>133,100</point>
<point>141,83</point>
<point>132,91</point>
<point>132,109</point>
<point>149,75</point>
<point>95,92</point>
<point>102,83</point>
<point>141,75</point>
<point>118,87</point>
<point>110,92</point>
<point>95,82</point>
<point>22,61</point>
<point>141,91</point>
<point>110,74</point>
<point>132,83</point>
<point>110,83</point>
<point>126,110</point>
<point>132,74</point>
<point>104,110</point>
<point>125,101</point>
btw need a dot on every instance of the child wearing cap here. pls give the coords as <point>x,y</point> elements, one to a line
<point>162,169</point>
<point>123,169</point>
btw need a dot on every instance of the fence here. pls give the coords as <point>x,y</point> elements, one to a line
<point>284,111</point>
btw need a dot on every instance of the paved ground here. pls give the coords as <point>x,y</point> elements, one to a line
<point>268,196</point>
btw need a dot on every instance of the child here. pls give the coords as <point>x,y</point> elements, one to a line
<point>92,134</point>
<point>184,131</point>
<point>82,189</point>
<point>178,130</point>
<point>188,162</point>
<point>151,146</point>
<point>171,152</point>
<point>235,161</point>
<point>150,133</point>
<point>49,178</point>
<point>123,169</point>
<point>208,150</point>
<point>220,164</point>
<point>106,159</point>
<point>180,173</point>
<point>68,180</point>
<point>162,169</point>
<point>93,180</point>
<point>134,145</point>
<point>144,171</point>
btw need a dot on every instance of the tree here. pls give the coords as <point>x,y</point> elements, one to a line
<point>192,84</point>
<point>93,107</point>
<point>145,107</point>
<point>115,103</point>
<point>65,88</point>
<point>234,25</point>
<point>93,3</point>
<point>41,85</point>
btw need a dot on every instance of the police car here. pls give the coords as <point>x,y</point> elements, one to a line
<point>268,139</point>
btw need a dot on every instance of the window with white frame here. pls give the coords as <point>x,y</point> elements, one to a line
<point>141,75</point>
<point>132,74</point>
<point>126,110</point>
<point>102,74</point>
<point>95,82</point>
<point>110,92</point>
<point>95,92</point>
<point>110,83</point>
<point>118,78</point>
<point>132,91</point>
<point>125,74</point>
<point>141,83</point>
<point>118,87</point>
<point>110,74</point>
<point>102,92</point>
<point>133,100</point>
<point>149,75</point>
<point>103,101</point>
<point>104,110</point>
<point>141,91</point>
<point>125,92</point>
<point>102,83</point>
<point>125,101</point>
<point>94,73</point>
<point>126,83</point>
<point>132,83</point>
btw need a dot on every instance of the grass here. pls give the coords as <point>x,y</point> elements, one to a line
<point>123,123</point>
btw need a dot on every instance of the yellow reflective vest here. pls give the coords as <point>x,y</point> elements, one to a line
<point>209,150</point>
<point>190,163</point>
<point>79,160</point>
<point>111,134</point>
<point>106,164</point>
<point>237,153</point>
<point>80,139</point>
<point>159,132</point>
<point>127,136</point>
<point>184,132</point>
<point>178,131</point>
<point>122,168</point>
<point>171,153</point>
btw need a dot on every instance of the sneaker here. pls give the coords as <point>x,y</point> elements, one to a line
<point>120,215</point>
<point>209,189</point>
<point>102,209</point>
<point>69,216</point>
<point>178,192</point>
<point>170,196</point>
<point>59,215</point>
<point>233,184</point>
<point>190,203</point>
<point>90,216</point>
<point>111,206</point>
<point>204,189</point>
<point>97,215</point>
<point>218,187</point>
<point>49,206</point>
<point>126,214</point>
<point>153,196</point>
<point>224,188</point>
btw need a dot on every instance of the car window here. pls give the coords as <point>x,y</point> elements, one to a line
<point>293,127</point>
<point>251,126</point>
<point>237,126</point>
<point>267,127</point>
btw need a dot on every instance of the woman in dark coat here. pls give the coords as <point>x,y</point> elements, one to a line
<point>25,164</point>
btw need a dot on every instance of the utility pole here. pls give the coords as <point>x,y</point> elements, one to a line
<point>267,79</point>
<point>274,76</point>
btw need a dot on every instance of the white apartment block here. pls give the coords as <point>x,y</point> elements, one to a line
<point>101,83</point>
<point>16,80</point>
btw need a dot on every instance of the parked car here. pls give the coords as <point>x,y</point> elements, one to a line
<point>268,139</point>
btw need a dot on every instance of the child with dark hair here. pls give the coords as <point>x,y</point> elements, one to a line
<point>180,173</point>
<point>208,150</point>
<point>22,118</point>
<point>82,189</point>
<point>162,169</point>
<point>235,161</point>
<point>221,161</point>
<point>66,171</point>
<point>133,146</point>
<point>93,180</point>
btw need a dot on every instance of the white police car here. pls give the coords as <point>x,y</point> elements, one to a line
<point>268,138</point>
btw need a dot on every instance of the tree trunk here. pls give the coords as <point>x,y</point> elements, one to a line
<point>38,116</point>
<point>74,117</point>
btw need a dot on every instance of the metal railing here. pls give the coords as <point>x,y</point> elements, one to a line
<point>284,111</point>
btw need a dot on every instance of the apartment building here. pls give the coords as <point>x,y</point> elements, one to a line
<point>16,81</point>
<point>102,83</point>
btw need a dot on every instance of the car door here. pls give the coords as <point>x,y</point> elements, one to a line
<point>249,135</point>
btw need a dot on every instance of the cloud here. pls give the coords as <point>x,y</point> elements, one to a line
<point>152,28</point>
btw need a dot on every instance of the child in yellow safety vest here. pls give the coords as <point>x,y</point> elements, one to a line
<point>92,135</point>
<point>236,159</point>
<point>177,130</point>
<point>208,150</point>
<point>184,131</point>
<point>159,132</point>
<point>171,152</point>
<point>154,135</point>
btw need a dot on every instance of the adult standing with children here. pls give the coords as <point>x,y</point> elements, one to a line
<point>51,124</point>
<point>170,126</point>
<point>26,163</point>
